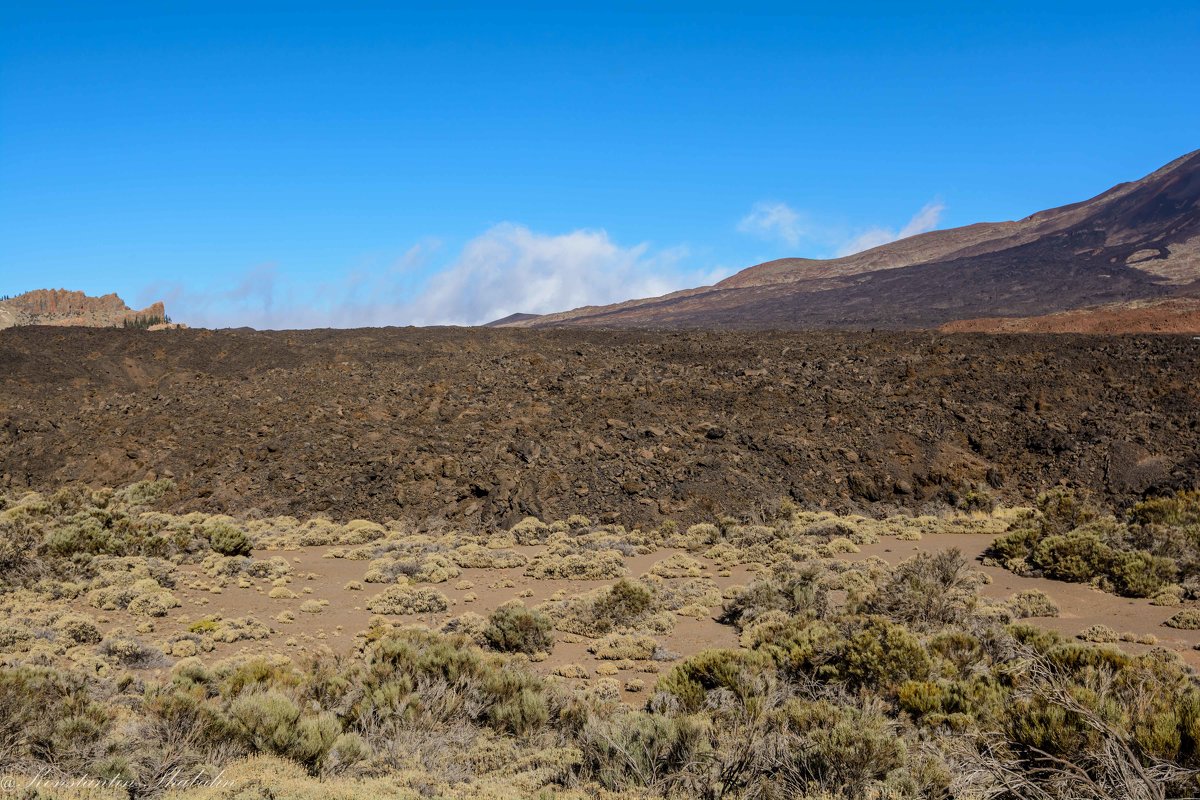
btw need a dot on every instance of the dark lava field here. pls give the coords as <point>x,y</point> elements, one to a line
<point>487,426</point>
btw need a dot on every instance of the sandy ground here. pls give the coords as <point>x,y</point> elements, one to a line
<point>318,577</point>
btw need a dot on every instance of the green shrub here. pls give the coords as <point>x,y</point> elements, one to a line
<point>625,601</point>
<point>513,628</point>
<point>883,654</point>
<point>271,722</point>
<point>744,673</point>
<point>228,540</point>
<point>642,750</point>
<point>1071,541</point>
<point>928,591</point>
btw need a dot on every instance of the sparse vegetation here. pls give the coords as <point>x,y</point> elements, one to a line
<point>1154,546</point>
<point>849,678</point>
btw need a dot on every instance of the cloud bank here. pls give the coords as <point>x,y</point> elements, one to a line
<point>507,269</point>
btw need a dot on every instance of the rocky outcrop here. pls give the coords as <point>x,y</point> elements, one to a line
<point>62,307</point>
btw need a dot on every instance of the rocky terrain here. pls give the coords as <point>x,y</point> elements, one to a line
<point>488,426</point>
<point>1169,315</point>
<point>1138,241</point>
<point>61,307</point>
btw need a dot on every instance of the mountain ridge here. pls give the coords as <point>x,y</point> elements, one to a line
<point>1137,241</point>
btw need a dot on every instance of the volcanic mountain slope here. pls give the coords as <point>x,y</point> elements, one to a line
<point>1138,241</point>
<point>62,307</point>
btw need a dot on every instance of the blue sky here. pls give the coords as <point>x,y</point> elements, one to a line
<point>300,164</point>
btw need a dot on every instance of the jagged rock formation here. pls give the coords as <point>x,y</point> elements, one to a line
<point>62,307</point>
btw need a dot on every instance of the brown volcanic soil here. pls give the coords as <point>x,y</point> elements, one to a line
<point>491,425</point>
<point>1174,315</point>
<point>319,576</point>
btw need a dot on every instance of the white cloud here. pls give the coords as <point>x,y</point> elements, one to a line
<point>779,221</point>
<point>509,268</point>
<point>923,221</point>
<point>772,220</point>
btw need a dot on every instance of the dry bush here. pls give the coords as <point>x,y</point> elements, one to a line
<point>408,600</point>
<point>618,646</point>
<point>565,562</point>
<point>1032,603</point>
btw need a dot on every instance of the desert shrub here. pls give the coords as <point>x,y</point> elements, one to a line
<point>530,530</point>
<point>1099,633</point>
<point>410,677</point>
<point>626,604</point>
<point>83,532</point>
<point>625,601</point>
<point>882,654</point>
<point>468,625</point>
<point>845,751</point>
<point>580,566</point>
<point>800,594</point>
<point>391,570</point>
<point>152,604</point>
<point>78,629</point>
<point>408,600</point>
<point>1179,510</point>
<point>131,652</point>
<point>268,568</point>
<point>618,646</point>
<point>235,630</point>
<point>144,493</point>
<point>143,596</point>
<point>19,541</point>
<point>271,722</point>
<point>642,750</point>
<point>1140,574</point>
<point>1188,620</point>
<point>53,718</point>
<point>677,566</point>
<point>477,557</point>
<point>743,673</point>
<point>513,628</point>
<point>928,591</point>
<point>1070,540</point>
<point>436,568</point>
<point>228,540</point>
<point>1032,603</point>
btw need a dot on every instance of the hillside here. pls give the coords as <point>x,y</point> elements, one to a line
<point>1138,241</point>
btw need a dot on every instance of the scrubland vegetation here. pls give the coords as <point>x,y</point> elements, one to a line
<point>1151,551</point>
<point>852,678</point>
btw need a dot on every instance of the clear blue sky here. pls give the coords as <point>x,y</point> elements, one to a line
<point>304,163</point>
